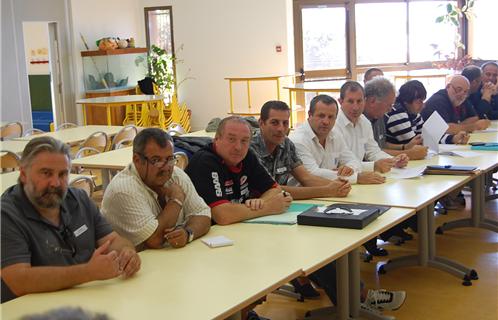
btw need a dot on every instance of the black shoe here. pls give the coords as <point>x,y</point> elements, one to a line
<point>252,315</point>
<point>305,290</point>
<point>405,235</point>
<point>375,251</point>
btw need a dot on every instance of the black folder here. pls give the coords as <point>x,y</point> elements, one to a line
<point>340,215</point>
<point>451,170</point>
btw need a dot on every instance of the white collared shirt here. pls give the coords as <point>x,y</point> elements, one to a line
<point>322,161</point>
<point>359,139</point>
<point>132,208</point>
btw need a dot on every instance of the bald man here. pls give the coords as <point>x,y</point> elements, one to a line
<point>451,105</point>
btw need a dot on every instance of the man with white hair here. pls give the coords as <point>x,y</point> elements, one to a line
<point>451,106</point>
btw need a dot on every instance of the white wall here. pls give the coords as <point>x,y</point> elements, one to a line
<point>36,37</point>
<point>96,19</point>
<point>226,38</point>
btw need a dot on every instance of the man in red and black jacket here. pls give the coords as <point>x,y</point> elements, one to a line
<point>230,178</point>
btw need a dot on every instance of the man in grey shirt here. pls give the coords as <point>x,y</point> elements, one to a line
<point>54,237</point>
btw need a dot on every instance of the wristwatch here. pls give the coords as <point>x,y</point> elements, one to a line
<point>190,234</point>
<point>178,202</point>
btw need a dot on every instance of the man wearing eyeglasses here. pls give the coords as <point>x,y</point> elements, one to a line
<point>451,105</point>
<point>152,202</point>
<point>54,237</point>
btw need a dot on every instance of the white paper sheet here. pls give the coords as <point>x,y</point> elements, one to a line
<point>406,173</point>
<point>433,130</point>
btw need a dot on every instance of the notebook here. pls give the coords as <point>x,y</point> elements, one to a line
<point>450,170</point>
<point>289,217</point>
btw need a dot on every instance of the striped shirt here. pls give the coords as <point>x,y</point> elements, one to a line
<point>402,126</point>
<point>132,208</point>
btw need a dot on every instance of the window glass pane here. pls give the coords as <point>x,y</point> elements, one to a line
<point>380,33</point>
<point>324,38</point>
<point>430,41</point>
<point>485,43</point>
<point>159,29</point>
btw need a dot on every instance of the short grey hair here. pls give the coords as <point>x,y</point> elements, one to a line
<point>43,144</point>
<point>379,87</point>
<point>225,121</point>
<point>159,136</point>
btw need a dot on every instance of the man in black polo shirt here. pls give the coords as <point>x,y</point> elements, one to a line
<point>451,105</point>
<point>230,179</point>
<point>54,237</point>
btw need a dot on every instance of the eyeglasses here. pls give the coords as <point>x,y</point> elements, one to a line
<point>68,238</point>
<point>158,162</point>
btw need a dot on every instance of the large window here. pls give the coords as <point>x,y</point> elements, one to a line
<point>485,45</point>
<point>380,33</point>
<point>343,38</point>
<point>324,38</point>
<point>159,28</point>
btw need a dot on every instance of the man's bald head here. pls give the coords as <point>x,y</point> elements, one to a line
<point>458,89</point>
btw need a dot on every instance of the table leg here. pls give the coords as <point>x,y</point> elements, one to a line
<point>84,114</point>
<point>477,219</point>
<point>109,122</point>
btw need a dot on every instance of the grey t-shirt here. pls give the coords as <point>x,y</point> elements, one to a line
<point>27,237</point>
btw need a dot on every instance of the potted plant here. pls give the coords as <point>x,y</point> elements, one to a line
<point>161,70</point>
<point>455,60</point>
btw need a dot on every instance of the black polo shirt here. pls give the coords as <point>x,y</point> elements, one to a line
<point>27,237</point>
<point>441,103</point>
<point>218,183</point>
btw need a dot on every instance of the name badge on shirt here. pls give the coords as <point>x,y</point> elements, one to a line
<point>281,170</point>
<point>80,230</point>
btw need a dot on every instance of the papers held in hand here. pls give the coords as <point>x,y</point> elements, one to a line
<point>449,169</point>
<point>340,215</point>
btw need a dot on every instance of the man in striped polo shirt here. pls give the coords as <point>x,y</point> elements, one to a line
<point>152,202</point>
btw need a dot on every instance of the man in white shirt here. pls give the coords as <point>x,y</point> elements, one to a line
<point>358,134</point>
<point>323,151</point>
<point>152,202</point>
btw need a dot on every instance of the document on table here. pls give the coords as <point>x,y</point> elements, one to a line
<point>486,130</point>
<point>288,217</point>
<point>456,150</point>
<point>406,173</point>
<point>433,130</point>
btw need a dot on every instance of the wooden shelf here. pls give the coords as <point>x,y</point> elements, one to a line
<point>112,52</point>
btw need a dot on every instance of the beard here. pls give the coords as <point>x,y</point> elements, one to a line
<point>49,198</point>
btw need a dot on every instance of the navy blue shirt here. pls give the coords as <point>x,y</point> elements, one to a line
<point>441,103</point>
<point>483,108</point>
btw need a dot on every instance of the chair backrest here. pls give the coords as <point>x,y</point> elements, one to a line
<point>32,132</point>
<point>97,140</point>
<point>123,143</point>
<point>66,125</point>
<point>181,159</point>
<point>175,129</point>
<point>84,183</point>
<point>127,133</point>
<point>85,152</point>
<point>11,130</point>
<point>9,161</point>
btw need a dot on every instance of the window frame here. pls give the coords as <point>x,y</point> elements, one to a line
<point>352,69</point>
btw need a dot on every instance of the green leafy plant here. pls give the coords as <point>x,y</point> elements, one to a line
<point>161,69</point>
<point>455,60</point>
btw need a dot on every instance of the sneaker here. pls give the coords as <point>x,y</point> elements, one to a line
<point>385,300</point>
